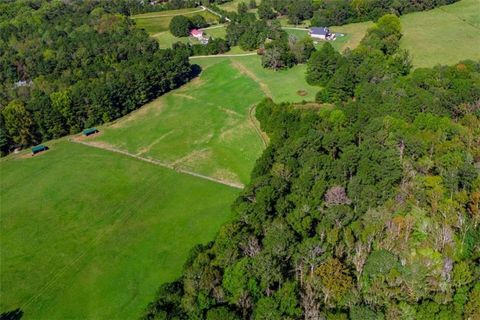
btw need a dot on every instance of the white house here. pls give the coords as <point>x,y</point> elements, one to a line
<point>322,33</point>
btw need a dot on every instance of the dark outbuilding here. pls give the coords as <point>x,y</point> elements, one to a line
<point>88,132</point>
<point>39,148</point>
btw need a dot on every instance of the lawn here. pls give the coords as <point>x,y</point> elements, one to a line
<point>444,35</point>
<point>166,39</point>
<point>90,234</point>
<point>283,85</point>
<point>204,127</point>
<point>156,22</point>
<point>233,5</point>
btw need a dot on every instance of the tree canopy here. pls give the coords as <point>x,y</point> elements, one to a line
<point>66,66</point>
<point>360,208</point>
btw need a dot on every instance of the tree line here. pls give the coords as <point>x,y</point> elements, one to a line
<point>66,66</point>
<point>359,208</point>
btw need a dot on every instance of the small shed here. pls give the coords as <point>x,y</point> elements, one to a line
<point>90,131</point>
<point>39,148</point>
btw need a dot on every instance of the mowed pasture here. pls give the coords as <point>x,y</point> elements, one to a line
<point>444,35</point>
<point>155,22</point>
<point>206,127</point>
<point>281,86</point>
<point>90,234</point>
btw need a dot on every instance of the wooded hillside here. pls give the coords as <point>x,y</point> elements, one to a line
<point>70,65</point>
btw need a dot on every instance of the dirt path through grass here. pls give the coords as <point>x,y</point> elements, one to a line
<point>108,147</point>
<point>255,124</point>
<point>240,67</point>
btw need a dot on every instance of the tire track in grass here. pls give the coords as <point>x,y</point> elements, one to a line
<point>160,163</point>
<point>244,70</point>
<point>254,121</point>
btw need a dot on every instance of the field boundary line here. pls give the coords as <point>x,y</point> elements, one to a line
<point>253,120</point>
<point>168,15</point>
<point>161,164</point>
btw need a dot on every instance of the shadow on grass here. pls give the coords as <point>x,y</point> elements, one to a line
<point>12,315</point>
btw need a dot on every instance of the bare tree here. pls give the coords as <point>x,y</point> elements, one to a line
<point>336,195</point>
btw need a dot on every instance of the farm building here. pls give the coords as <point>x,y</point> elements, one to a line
<point>39,148</point>
<point>322,33</point>
<point>88,132</point>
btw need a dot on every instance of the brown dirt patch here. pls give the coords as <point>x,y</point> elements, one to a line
<point>182,95</point>
<point>302,93</point>
<point>81,137</point>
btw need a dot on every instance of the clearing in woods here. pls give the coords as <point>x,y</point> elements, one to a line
<point>155,22</point>
<point>90,234</point>
<point>203,127</point>
<point>206,127</point>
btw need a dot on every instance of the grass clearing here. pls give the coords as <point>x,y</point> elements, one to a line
<point>156,22</point>
<point>90,234</point>
<point>283,85</point>
<point>203,127</point>
<point>443,35</point>
<point>233,5</point>
<point>166,39</point>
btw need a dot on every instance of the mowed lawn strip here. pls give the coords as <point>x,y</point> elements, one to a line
<point>202,127</point>
<point>90,234</point>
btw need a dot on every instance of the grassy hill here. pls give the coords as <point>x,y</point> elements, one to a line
<point>89,234</point>
<point>444,35</point>
<point>205,126</point>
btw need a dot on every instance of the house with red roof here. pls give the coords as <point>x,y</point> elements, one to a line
<point>197,33</point>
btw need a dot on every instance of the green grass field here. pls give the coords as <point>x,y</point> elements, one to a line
<point>155,22</point>
<point>281,86</point>
<point>203,127</point>
<point>166,39</point>
<point>233,5</point>
<point>444,35</point>
<point>90,234</point>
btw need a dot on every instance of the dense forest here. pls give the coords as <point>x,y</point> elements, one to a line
<point>70,65</point>
<point>364,206</point>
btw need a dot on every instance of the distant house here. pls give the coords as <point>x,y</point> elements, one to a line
<point>322,33</point>
<point>89,132</point>
<point>39,148</point>
<point>199,35</point>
